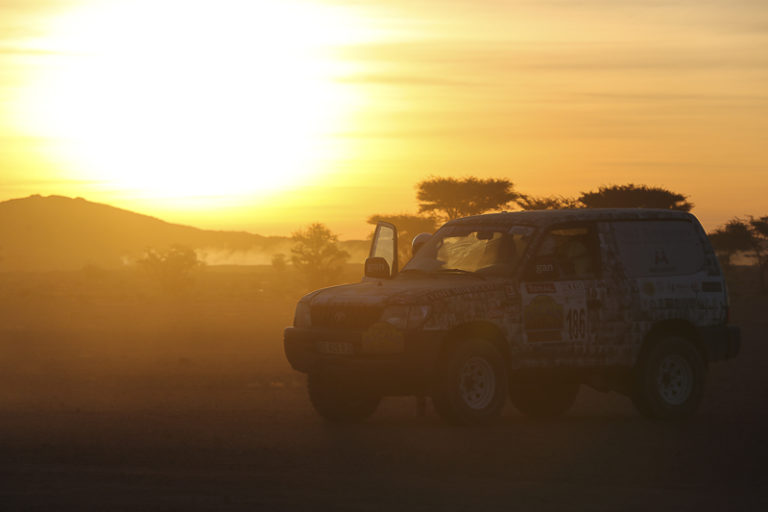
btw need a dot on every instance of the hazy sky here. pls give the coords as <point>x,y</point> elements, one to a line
<point>269,115</point>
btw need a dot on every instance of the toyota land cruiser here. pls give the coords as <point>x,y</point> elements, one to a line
<point>522,305</point>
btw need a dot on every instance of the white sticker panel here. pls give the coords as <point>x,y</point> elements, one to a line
<point>555,312</point>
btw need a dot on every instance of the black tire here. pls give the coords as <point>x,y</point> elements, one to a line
<point>338,400</point>
<point>471,382</point>
<point>669,379</point>
<point>543,395</point>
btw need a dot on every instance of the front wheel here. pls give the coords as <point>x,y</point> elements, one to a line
<point>669,379</point>
<point>471,383</point>
<point>339,400</point>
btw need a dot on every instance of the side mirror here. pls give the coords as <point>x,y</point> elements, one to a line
<point>377,267</point>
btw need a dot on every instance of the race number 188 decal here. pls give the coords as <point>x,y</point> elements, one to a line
<point>577,324</point>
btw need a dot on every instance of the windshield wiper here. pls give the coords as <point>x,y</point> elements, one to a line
<point>461,271</point>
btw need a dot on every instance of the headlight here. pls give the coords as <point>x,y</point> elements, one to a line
<point>303,315</point>
<point>405,317</point>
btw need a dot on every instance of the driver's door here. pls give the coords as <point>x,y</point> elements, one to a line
<point>383,249</point>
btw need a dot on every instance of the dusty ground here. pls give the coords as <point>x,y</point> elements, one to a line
<point>168,408</point>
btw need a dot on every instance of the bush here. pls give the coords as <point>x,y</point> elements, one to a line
<point>172,269</point>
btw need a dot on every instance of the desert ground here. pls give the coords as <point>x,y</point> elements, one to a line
<point>118,395</point>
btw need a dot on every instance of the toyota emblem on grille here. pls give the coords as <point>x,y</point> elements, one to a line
<point>339,317</point>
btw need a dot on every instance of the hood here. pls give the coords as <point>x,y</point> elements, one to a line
<point>411,290</point>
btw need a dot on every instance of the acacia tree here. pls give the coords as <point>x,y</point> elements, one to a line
<point>635,196</point>
<point>528,202</point>
<point>408,226</point>
<point>317,255</point>
<point>452,198</point>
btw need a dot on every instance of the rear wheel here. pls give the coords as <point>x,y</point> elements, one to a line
<point>471,383</point>
<point>669,379</point>
<point>339,400</point>
<point>543,395</point>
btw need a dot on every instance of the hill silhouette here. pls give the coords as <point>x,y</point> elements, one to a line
<point>61,233</point>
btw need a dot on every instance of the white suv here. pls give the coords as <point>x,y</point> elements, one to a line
<point>525,305</point>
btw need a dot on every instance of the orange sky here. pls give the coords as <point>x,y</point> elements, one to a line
<point>268,115</point>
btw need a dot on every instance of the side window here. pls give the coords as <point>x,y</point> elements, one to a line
<point>566,253</point>
<point>659,248</point>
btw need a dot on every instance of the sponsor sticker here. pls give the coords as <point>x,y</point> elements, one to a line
<point>383,338</point>
<point>536,288</point>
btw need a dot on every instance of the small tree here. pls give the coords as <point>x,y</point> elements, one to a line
<point>760,226</point>
<point>408,226</point>
<point>317,255</point>
<point>759,229</point>
<point>635,196</point>
<point>279,262</point>
<point>528,202</point>
<point>173,269</point>
<point>453,198</point>
<point>748,235</point>
<point>731,239</point>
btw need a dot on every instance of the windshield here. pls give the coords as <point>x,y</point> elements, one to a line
<point>491,250</point>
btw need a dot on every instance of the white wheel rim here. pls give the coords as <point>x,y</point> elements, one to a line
<point>477,383</point>
<point>674,380</point>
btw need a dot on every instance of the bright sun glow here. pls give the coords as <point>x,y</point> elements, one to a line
<point>183,99</point>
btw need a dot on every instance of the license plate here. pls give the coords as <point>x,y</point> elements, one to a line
<point>334,347</point>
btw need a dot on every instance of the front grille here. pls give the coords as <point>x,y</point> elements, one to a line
<point>344,316</point>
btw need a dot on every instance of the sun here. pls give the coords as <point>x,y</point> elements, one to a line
<point>177,99</point>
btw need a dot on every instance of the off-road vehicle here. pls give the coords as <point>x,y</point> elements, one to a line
<point>526,305</point>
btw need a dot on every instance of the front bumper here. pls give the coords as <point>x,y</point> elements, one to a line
<point>720,341</point>
<point>407,372</point>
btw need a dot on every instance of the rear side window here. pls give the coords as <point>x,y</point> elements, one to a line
<point>566,253</point>
<point>658,248</point>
